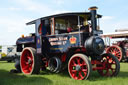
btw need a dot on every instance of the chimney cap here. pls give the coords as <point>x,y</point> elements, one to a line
<point>93,8</point>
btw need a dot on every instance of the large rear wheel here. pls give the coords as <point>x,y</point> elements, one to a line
<point>79,67</point>
<point>110,65</point>
<point>29,61</point>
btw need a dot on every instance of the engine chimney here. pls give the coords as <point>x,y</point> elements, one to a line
<point>93,19</point>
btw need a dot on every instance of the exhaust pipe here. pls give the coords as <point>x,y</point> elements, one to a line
<point>93,11</point>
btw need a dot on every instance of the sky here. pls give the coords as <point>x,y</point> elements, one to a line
<point>14,14</point>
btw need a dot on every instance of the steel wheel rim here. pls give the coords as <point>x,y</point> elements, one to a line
<point>116,52</point>
<point>78,68</point>
<point>109,65</point>
<point>27,61</point>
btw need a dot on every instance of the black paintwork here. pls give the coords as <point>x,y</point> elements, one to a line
<point>60,43</point>
<point>64,14</point>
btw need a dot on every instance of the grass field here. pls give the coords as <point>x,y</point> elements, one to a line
<point>48,78</point>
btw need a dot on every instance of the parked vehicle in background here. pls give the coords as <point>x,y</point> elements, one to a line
<point>118,48</point>
<point>8,53</point>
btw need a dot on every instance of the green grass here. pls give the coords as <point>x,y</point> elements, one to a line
<point>48,78</point>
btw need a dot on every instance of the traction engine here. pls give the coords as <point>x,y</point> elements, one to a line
<point>68,40</point>
<point>118,48</point>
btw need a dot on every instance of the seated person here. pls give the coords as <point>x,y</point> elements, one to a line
<point>85,27</point>
<point>69,29</point>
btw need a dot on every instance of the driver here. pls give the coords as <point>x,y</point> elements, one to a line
<point>85,27</point>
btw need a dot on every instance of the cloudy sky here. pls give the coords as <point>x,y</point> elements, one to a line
<point>15,13</point>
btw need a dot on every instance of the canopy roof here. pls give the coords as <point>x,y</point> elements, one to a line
<point>116,35</point>
<point>64,15</point>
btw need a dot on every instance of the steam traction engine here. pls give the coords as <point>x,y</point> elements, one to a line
<point>118,48</point>
<point>67,41</point>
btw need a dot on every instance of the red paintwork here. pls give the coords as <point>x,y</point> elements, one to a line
<point>109,66</point>
<point>63,57</point>
<point>80,50</point>
<point>106,67</point>
<point>95,62</point>
<point>83,68</point>
<point>45,61</point>
<point>120,54</point>
<point>115,50</point>
<point>25,64</point>
<point>40,29</point>
<point>46,64</point>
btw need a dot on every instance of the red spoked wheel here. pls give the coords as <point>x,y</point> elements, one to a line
<point>79,67</point>
<point>115,50</point>
<point>110,65</point>
<point>29,62</point>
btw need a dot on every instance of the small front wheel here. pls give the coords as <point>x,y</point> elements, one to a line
<point>79,67</point>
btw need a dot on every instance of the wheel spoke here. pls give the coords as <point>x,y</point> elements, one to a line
<point>85,73</point>
<point>84,70</point>
<point>112,49</point>
<point>78,60</point>
<point>80,75</point>
<point>74,74</point>
<point>73,62</point>
<point>74,71</point>
<point>83,64</point>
